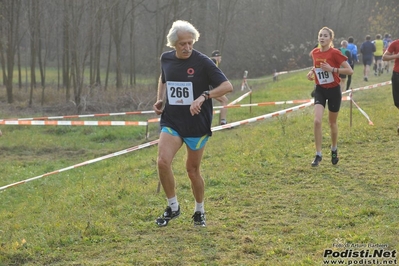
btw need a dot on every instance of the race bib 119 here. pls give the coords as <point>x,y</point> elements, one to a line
<point>324,77</point>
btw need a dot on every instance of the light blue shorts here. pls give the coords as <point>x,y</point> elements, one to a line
<point>194,143</point>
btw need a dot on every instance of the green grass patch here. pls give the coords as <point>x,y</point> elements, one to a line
<point>265,204</point>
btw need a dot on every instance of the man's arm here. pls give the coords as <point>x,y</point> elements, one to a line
<point>158,106</point>
<point>224,88</point>
<point>161,90</point>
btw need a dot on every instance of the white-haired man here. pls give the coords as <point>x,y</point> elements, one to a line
<point>184,102</point>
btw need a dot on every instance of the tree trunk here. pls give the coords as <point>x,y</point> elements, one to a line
<point>66,51</point>
<point>108,63</point>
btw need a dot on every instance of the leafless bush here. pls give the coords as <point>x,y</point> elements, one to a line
<point>94,99</point>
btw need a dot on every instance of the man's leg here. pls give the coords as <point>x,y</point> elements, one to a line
<point>193,164</point>
<point>168,146</point>
<point>223,112</point>
<point>367,71</point>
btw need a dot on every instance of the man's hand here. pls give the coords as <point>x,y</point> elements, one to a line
<point>195,107</point>
<point>158,107</point>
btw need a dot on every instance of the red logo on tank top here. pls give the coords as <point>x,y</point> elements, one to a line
<point>190,71</point>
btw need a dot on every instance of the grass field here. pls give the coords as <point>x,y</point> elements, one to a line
<point>265,204</point>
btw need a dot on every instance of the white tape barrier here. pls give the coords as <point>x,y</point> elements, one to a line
<point>217,128</point>
<point>151,143</point>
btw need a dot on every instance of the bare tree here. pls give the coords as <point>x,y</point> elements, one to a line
<point>226,11</point>
<point>66,49</point>
<point>108,67</point>
<point>45,42</point>
<point>98,35</point>
<point>254,35</point>
<point>132,44</point>
<point>33,18</point>
<point>118,12</point>
<point>132,47</point>
<point>75,49</point>
<point>9,28</point>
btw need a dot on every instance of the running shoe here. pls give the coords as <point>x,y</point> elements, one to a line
<point>223,122</point>
<point>334,157</point>
<point>199,219</point>
<point>316,160</point>
<point>168,215</point>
